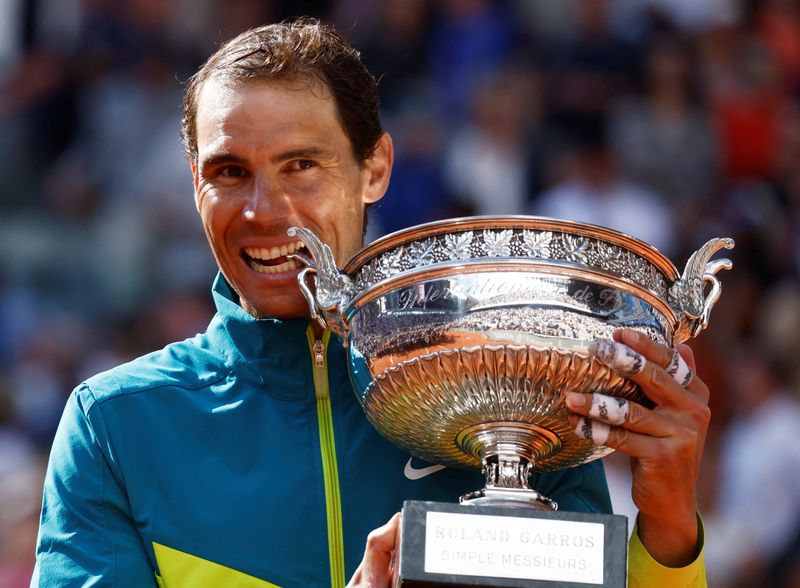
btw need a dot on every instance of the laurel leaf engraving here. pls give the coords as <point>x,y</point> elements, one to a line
<point>498,243</point>
<point>536,244</point>
<point>458,245</point>
<point>578,248</point>
<point>423,252</point>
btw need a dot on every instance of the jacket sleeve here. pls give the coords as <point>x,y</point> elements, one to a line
<point>644,571</point>
<point>585,489</point>
<point>87,536</point>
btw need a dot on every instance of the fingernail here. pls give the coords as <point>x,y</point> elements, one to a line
<point>631,336</point>
<point>575,400</point>
<point>617,356</point>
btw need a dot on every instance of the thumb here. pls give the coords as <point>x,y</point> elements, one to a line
<point>374,569</point>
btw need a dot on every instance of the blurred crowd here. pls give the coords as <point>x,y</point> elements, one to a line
<point>672,120</point>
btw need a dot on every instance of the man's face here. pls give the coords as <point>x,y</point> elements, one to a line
<point>272,155</point>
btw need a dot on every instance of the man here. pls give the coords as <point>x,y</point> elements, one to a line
<point>241,456</point>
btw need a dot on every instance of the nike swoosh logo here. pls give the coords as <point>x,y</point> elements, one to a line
<point>413,473</point>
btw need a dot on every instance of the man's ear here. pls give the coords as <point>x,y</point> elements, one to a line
<point>379,169</point>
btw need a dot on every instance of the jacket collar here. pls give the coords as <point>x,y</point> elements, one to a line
<point>272,353</point>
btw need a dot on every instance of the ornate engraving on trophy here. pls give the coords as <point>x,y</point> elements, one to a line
<point>528,290</point>
<point>607,298</point>
<point>535,244</point>
<point>512,243</point>
<point>421,297</point>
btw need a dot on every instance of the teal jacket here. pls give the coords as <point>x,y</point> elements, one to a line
<point>235,458</point>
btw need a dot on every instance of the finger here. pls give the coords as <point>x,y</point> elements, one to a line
<point>618,357</point>
<point>680,370</point>
<point>662,356</point>
<point>659,386</point>
<point>591,430</point>
<point>609,409</point>
<point>384,536</point>
<point>599,433</point>
<point>652,350</point>
<point>670,359</point>
<point>380,544</point>
<point>620,412</point>
<point>688,355</point>
<point>696,386</point>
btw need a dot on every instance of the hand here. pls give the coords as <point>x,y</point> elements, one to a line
<point>665,443</point>
<point>375,569</point>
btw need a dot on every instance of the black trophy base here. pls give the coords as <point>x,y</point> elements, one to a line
<point>443,544</point>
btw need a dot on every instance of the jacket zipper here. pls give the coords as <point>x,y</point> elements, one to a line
<point>330,470</point>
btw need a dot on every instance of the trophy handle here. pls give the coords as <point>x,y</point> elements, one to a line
<point>330,290</point>
<point>687,294</point>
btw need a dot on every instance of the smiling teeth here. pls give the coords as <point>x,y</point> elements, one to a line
<point>275,269</point>
<point>265,254</point>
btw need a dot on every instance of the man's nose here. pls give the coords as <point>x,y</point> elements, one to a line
<point>266,201</point>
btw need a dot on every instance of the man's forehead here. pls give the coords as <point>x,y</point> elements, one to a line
<point>231,88</point>
<point>237,116</point>
<point>243,111</point>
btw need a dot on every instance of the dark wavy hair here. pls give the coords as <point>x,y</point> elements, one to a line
<point>300,49</point>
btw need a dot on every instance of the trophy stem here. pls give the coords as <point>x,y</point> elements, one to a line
<point>506,471</point>
<point>508,451</point>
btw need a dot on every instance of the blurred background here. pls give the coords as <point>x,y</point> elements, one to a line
<point>672,120</point>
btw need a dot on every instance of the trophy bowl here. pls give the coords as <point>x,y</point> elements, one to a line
<point>464,335</point>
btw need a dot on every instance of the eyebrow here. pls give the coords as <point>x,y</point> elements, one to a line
<point>303,153</point>
<point>223,158</point>
<point>220,158</point>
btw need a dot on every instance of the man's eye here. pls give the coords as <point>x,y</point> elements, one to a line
<point>302,164</point>
<point>232,171</point>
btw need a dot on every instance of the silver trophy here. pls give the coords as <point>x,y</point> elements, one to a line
<point>464,335</point>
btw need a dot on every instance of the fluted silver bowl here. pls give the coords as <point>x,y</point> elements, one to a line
<point>463,335</point>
